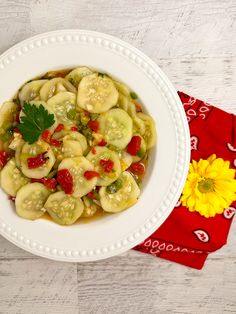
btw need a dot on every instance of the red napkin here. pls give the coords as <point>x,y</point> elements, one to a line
<point>187,237</point>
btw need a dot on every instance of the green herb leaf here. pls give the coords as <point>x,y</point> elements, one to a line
<point>94,116</point>
<point>34,122</point>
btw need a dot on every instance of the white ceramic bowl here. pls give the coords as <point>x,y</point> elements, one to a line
<point>169,160</point>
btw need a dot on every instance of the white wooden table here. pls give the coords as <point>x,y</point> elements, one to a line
<point>194,42</point>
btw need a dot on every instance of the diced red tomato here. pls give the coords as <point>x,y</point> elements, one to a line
<point>59,128</point>
<point>93,150</point>
<point>74,128</point>
<point>134,145</point>
<point>107,165</point>
<point>102,143</point>
<point>38,161</point>
<point>3,158</point>
<point>46,136</point>
<point>55,143</point>
<point>137,168</point>
<point>93,125</point>
<point>49,183</point>
<point>90,174</point>
<point>64,178</point>
<point>138,107</point>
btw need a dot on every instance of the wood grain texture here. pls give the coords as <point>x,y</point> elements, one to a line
<point>194,42</point>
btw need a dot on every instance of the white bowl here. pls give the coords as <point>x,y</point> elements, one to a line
<point>169,160</point>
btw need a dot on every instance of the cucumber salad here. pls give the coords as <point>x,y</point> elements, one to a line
<point>72,143</point>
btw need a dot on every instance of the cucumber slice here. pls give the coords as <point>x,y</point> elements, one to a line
<point>64,209</point>
<point>125,160</point>
<point>77,167</point>
<point>30,200</point>
<point>104,153</point>
<point>129,107</point>
<point>32,150</point>
<point>7,113</point>
<point>55,86</point>
<point>11,178</point>
<point>76,136</point>
<point>116,127</point>
<point>76,75</point>
<point>122,88</point>
<point>96,93</point>
<point>37,103</point>
<point>62,104</point>
<point>31,90</point>
<point>71,148</point>
<point>150,129</point>
<point>123,198</point>
<point>90,208</point>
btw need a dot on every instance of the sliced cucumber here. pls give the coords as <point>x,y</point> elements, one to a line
<point>62,104</point>
<point>32,150</point>
<point>7,113</point>
<point>76,136</point>
<point>122,198</point>
<point>77,167</point>
<point>64,209</point>
<point>129,107</point>
<point>97,93</point>
<point>103,153</point>
<point>76,75</point>
<point>116,127</point>
<point>90,208</point>
<point>11,178</point>
<point>125,160</point>
<point>30,200</point>
<point>122,88</point>
<point>71,148</point>
<point>150,130</point>
<point>31,90</point>
<point>54,86</point>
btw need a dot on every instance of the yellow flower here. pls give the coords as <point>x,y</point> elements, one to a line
<point>210,186</point>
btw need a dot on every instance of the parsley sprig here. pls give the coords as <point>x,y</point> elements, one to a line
<point>34,122</point>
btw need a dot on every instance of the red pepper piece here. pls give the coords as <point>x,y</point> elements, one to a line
<point>49,183</point>
<point>137,168</point>
<point>64,178</point>
<point>74,128</point>
<point>107,165</point>
<point>16,130</point>
<point>46,136</point>
<point>59,128</point>
<point>102,143</point>
<point>38,161</point>
<point>138,107</point>
<point>55,143</point>
<point>91,195</point>
<point>17,119</point>
<point>93,150</point>
<point>134,145</point>
<point>93,125</point>
<point>3,158</point>
<point>90,174</point>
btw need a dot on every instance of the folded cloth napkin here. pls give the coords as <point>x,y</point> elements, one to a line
<point>187,237</point>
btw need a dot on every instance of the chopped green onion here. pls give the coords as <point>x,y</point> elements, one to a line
<point>71,114</point>
<point>94,116</point>
<point>52,174</point>
<point>133,95</point>
<point>114,187</point>
<point>141,153</point>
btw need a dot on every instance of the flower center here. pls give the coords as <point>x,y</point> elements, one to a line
<point>206,185</point>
